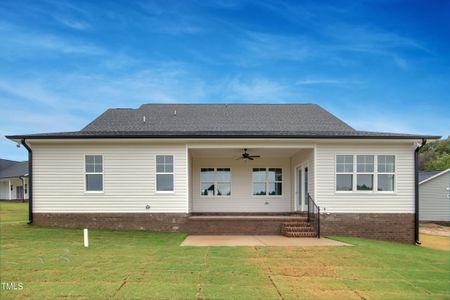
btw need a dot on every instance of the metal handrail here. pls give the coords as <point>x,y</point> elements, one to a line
<point>314,215</point>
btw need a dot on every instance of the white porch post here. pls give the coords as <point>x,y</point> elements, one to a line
<point>9,189</point>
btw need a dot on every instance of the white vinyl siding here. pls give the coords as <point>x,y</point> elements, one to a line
<point>128,183</point>
<point>399,201</point>
<point>434,203</point>
<point>242,198</point>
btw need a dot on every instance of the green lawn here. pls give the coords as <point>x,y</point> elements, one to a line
<point>52,263</point>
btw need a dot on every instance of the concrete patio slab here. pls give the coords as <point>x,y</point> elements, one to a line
<point>257,240</point>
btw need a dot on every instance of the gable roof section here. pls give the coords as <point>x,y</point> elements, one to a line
<point>428,176</point>
<point>219,121</point>
<point>16,169</point>
<point>218,118</point>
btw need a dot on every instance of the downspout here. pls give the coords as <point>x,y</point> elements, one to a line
<point>30,181</point>
<point>416,191</point>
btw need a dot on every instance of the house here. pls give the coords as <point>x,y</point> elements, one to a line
<point>226,169</point>
<point>434,196</point>
<point>13,180</point>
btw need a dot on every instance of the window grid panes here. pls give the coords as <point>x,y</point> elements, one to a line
<point>372,173</point>
<point>386,173</point>
<point>365,172</point>
<point>267,181</point>
<point>215,182</point>
<point>164,173</point>
<point>94,173</point>
<point>344,172</point>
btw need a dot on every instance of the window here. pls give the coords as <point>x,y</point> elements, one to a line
<point>386,173</point>
<point>267,182</point>
<point>365,171</point>
<point>368,178</point>
<point>94,173</point>
<point>164,173</point>
<point>344,172</point>
<point>215,182</point>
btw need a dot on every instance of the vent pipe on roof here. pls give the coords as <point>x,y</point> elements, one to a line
<point>175,112</point>
<point>143,119</point>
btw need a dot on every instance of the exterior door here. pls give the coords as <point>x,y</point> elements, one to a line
<point>302,188</point>
<point>19,192</point>
<point>299,190</point>
<point>305,188</point>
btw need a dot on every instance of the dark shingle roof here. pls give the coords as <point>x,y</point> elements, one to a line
<point>4,163</point>
<point>218,117</point>
<point>11,169</point>
<point>424,175</point>
<point>219,120</point>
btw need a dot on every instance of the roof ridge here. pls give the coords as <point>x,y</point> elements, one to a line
<point>226,104</point>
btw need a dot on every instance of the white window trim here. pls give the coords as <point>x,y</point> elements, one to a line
<point>375,174</point>
<point>167,173</point>
<point>215,181</point>
<point>267,183</point>
<point>356,173</point>
<point>94,173</point>
<point>387,173</point>
<point>344,173</point>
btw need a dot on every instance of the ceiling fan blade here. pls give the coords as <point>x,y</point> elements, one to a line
<point>249,157</point>
<point>255,156</point>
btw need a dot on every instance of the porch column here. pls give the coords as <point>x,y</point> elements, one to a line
<point>9,188</point>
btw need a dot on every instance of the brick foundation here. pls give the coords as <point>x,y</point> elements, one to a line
<point>152,222</point>
<point>388,227</point>
<point>391,227</point>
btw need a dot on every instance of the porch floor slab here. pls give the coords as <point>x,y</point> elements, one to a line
<point>256,240</point>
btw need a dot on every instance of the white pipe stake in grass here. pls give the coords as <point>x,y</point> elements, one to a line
<point>86,238</point>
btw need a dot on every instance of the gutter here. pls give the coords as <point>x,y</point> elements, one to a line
<point>416,191</point>
<point>212,135</point>
<point>30,181</point>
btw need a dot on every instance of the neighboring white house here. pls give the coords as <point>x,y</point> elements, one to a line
<point>434,195</point>
<point>13,180</point>
<point>181,167</point>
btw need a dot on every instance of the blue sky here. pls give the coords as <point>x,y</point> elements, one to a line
<point>379,65</point>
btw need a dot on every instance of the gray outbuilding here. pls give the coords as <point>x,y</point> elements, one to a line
<point>434,196</point>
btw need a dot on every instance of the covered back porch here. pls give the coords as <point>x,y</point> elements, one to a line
<point>268,194</point>
<point>277,181</point>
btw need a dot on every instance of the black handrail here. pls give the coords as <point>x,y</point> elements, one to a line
<point>314,215</point>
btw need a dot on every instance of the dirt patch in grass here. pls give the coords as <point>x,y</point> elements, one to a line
<point>435,242</point>
<point>435,229</point>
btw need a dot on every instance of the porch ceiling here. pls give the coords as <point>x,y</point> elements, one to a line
<point>264,152</point>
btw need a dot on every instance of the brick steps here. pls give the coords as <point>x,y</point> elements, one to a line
<point>300,234</point>
<point>297,229</point>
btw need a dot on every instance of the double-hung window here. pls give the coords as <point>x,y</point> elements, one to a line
<point>215,181</point>
<point>364,172</point>
<point>344,172</point>
<point>267,181</point>
<point>386,173</point>
<point>94,173</point>
<point>164,173</point>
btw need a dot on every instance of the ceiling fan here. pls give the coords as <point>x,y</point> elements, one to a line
<point>247,156</point>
